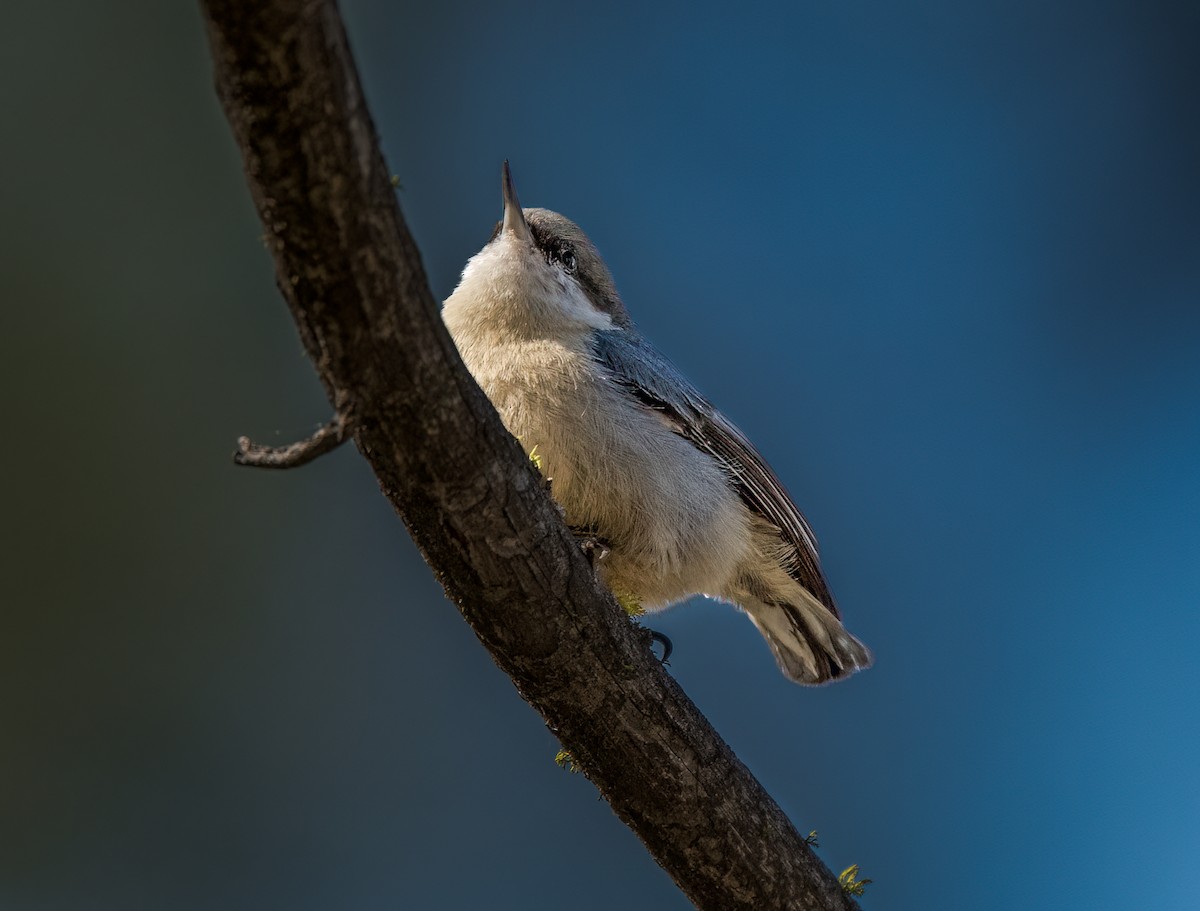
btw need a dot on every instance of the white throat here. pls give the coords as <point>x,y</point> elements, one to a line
<point>509,286</point>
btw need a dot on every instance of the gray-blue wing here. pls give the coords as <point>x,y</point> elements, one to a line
<point>655,382</point>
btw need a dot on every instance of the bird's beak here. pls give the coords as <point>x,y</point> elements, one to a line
<point>514,218</point>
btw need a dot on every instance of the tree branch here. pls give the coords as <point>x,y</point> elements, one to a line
<point>327,438</point>
<point>353,279</point>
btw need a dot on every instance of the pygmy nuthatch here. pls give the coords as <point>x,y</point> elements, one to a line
<point>638,458</point>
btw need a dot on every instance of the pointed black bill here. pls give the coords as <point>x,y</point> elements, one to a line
<point>514,217</point>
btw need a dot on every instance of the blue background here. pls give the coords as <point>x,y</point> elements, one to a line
<point>940,261</point>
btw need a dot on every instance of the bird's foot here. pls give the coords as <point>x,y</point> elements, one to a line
<point>594,547</point>
<point>661,638</point>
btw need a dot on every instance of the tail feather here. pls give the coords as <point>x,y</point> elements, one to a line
<point>809,643</point>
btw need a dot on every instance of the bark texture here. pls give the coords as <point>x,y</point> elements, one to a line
<point>352,276</point>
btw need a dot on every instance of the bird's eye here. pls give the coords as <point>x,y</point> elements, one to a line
<point>562,253</point>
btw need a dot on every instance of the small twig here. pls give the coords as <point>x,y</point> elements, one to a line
<point>328,438</point>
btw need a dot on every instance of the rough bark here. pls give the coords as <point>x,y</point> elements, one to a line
<point>352,276</point>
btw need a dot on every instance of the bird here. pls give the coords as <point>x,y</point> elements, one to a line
<point>640,460</point>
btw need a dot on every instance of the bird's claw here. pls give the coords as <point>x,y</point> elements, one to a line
<point>594,548</point>
<point>661,638</point>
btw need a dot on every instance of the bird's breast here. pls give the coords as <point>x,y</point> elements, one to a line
<point>674,523</point>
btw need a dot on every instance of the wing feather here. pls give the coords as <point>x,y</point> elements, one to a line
<point>656,383</point>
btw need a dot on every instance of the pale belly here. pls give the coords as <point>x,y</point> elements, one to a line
<point>674,525</point>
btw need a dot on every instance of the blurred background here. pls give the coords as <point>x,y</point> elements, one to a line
<point>940,261</point>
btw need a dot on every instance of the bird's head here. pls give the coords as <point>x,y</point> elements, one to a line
<point>538,273</point>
